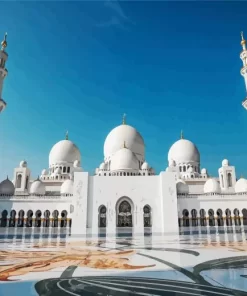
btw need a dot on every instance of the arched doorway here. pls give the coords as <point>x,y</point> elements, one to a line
<point>4,218</point>
<point>147,216</point>
<point>12,218</point>
<point>102,216</point>
<point>124,214</point>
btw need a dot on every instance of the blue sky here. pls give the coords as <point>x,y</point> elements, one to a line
<point>81,65</point>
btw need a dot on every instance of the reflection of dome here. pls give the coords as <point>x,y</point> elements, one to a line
<point>37,188</point>
<point>67,187</point>
<point>120,134</point>
<point>7,187</point>
<point>212,186</point>
<point>182,187</point>
<point>225,162</point>
<point>23,164</point>
<point>183,151</point>
<point>145,166</point>
<point>64,152</point>
<point>124,159</point>
<point>241,185</point>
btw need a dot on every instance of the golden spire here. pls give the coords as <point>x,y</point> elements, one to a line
<point>124,119</point>
<point>181,135</point>
<point>67,135</point>
<point>4,42</point>
<point>243,41</point>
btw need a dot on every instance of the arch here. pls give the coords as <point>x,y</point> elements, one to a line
<point>102,216</point>
<point>203,221</point>
<point>228,218</point>
<point>29,218</point>
<point>64,215</point>
<point>222,181</point>
<point>46,218</point>
<point>229,179</point>
<point>4,219</point>
<point>244,212</point>
<point>38,215</point>
<point>194,217</point>
<point>220,220</point>
<point>237,219</point>
<point>184,168</point>
<point>186,221</point>
<point>21,215</point>
<point>26,185</point>
<point>211,219</point>
<point>124,210</point>
<point>12,218</point>
<point>18,181</point>
<point>55,215</point>
<point>147,216</point>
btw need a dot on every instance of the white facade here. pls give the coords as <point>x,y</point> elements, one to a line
<point>125,192</point>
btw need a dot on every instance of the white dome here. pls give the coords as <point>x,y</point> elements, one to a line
<point>64,152</point>
<point>7,187</point>
<point>212,186</point>
<point>182,187</point>
<point>124,159</point>
<point>145,166</point>
<point>57,171</point>
<point>44,172</point>
<point>77,164</point>
<point>203,171</point>
<point>102,166</point>
<point>23,164</point>
<point>241,185</point>
<point>67,187</point>
<point>225,162</point>
<point>124,134</point>
<point>183,151</point>
<point>37,188</point>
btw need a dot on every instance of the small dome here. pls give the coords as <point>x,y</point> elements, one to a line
<point>124,159</point>
<point>124,133</point>
<point>190,170</point>
<point>77,164</point>
<point>182,187</point>
<point>102,166</point>
<point>172,163</point>
<point>241,185</point>
<point>57,171</point>
<point>225,162</point>
<point>7,187</point>
<point>212,186</point>
<point>184,151</point>
<point>67,187</point>
<point>37,188</point>
<point>64,152</point>
<point>23,164</point>
<point>96,171</point>
<point>203,171</point>
<point>44,172</point>
<point>145,166</point>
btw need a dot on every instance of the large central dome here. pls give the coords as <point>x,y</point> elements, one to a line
<point>124,134</point>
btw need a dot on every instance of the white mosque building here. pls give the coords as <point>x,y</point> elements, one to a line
<point>125,191</point>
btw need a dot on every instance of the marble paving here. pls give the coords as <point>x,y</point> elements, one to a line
<point>195,264</point>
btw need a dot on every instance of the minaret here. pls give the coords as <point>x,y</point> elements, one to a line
<point>3,70</point>
<point>243,57</point>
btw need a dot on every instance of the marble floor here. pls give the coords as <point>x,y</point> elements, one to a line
<point>195,262</point>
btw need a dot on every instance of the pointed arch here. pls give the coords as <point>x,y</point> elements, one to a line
<point>18,181</point>
<point>12,218</point>
<point>147,216</point>
<point>124,212</point>
<point>21,215</point>
<point>102,216</point>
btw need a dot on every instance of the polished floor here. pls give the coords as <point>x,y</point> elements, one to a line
<point>196,262</point>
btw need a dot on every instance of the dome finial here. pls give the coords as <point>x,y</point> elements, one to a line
<point>124,119</point>
<point>124,145</point>
<point>4,42</point>
<point>181,134</point>
<point>67,135</point>
<point>243,41</point>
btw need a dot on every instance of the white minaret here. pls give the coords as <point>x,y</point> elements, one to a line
<point>243,57</point>
<point>3,70</point>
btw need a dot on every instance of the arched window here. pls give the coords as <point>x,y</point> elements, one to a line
<point>194,218</point>
<point>4,218</point>
<point>46,218</point>
<point>229,179</point>
<point>12,218</point>
<point>184,168</point>
<point>186,221</point>
<point>211,220</point>
<point>102,217</point>
<point>228,218</point>
<point>26,182</point>
<point>237,219</point>
<point>38,215</point>
<point>68,169</point>
<point>147,216</point>
<point>222,181</point>
<point>18,181</point>
<point>124,214</point>
<point>220,217</point>
<point>29,218</point>
<point>203,221</point>
<point>63,219</point>
<point>244,212</point>
<point>21,215</point>
<point>64,169</point>
<point>55,215</point>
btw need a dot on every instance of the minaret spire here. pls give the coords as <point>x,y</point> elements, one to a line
<point>3,70</point>
<point>243,57</point>
<point>124,119</point>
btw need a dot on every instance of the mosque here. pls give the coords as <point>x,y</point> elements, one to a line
<point>125,191</point>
